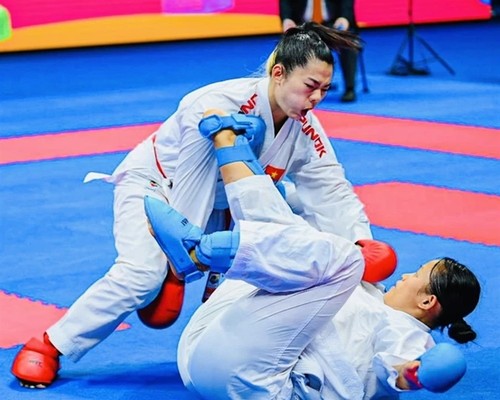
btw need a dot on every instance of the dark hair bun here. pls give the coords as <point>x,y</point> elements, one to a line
<point>461,332</point>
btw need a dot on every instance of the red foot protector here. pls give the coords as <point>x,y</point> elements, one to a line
<point>164,310</point>
<point>37,362</point>
<point>380,260</point>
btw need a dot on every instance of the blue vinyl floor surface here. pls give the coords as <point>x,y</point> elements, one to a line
<point>56,233</point>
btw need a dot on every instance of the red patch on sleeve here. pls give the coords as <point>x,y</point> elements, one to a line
<point>274,173</point>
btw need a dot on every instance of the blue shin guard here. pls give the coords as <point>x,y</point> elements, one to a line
<point>241,151</point>
<point>252,127</point>
<point>217,250</point>
<point>175,235</point>
<point>249,127</point>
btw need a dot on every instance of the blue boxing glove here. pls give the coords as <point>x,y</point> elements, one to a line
<point>440,368</point>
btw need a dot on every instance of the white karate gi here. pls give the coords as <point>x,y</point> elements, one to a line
<point>275,321</point>
<point>178,164</point>
<point>354,355</point>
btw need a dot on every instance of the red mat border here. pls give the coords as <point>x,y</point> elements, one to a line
<point>449,138</point>
<point>436,136</point>
<point>432,210</point>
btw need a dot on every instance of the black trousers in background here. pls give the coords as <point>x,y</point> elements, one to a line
<point>349,64</point>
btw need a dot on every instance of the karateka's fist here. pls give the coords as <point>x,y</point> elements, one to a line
<point>437,370</point>
<point>380,260</point>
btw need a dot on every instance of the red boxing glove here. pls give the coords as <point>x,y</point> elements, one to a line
<point>380,260</point>
<point>164,310</point>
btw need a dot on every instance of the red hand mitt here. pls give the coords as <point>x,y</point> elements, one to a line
<point>380,260</point>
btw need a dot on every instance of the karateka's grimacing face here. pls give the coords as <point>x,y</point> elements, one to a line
<point>409,293</point>
<point>300,90</point>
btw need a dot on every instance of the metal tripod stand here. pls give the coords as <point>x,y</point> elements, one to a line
<point>403,66</point>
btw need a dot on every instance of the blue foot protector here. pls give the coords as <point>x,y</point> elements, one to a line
<point>175,235</point>
<point>217,250</point>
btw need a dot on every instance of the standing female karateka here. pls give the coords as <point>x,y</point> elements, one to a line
<point>177,165</point>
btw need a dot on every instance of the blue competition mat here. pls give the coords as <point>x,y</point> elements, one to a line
<point>56,232</point>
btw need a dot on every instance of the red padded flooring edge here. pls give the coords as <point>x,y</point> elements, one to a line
<point>449,138</point>
<point>434,211</point>
<point>73,144</point>
<point>457,139</point>
<point>23,318</point>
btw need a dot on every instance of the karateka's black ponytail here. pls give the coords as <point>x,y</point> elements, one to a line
<point>310,41</point>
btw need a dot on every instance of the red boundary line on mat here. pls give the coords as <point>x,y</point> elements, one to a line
<point>23,318</point>
<point>432,210</point>
<point>449,138</point>
<point>457,139</point>
<point>72,144</point>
